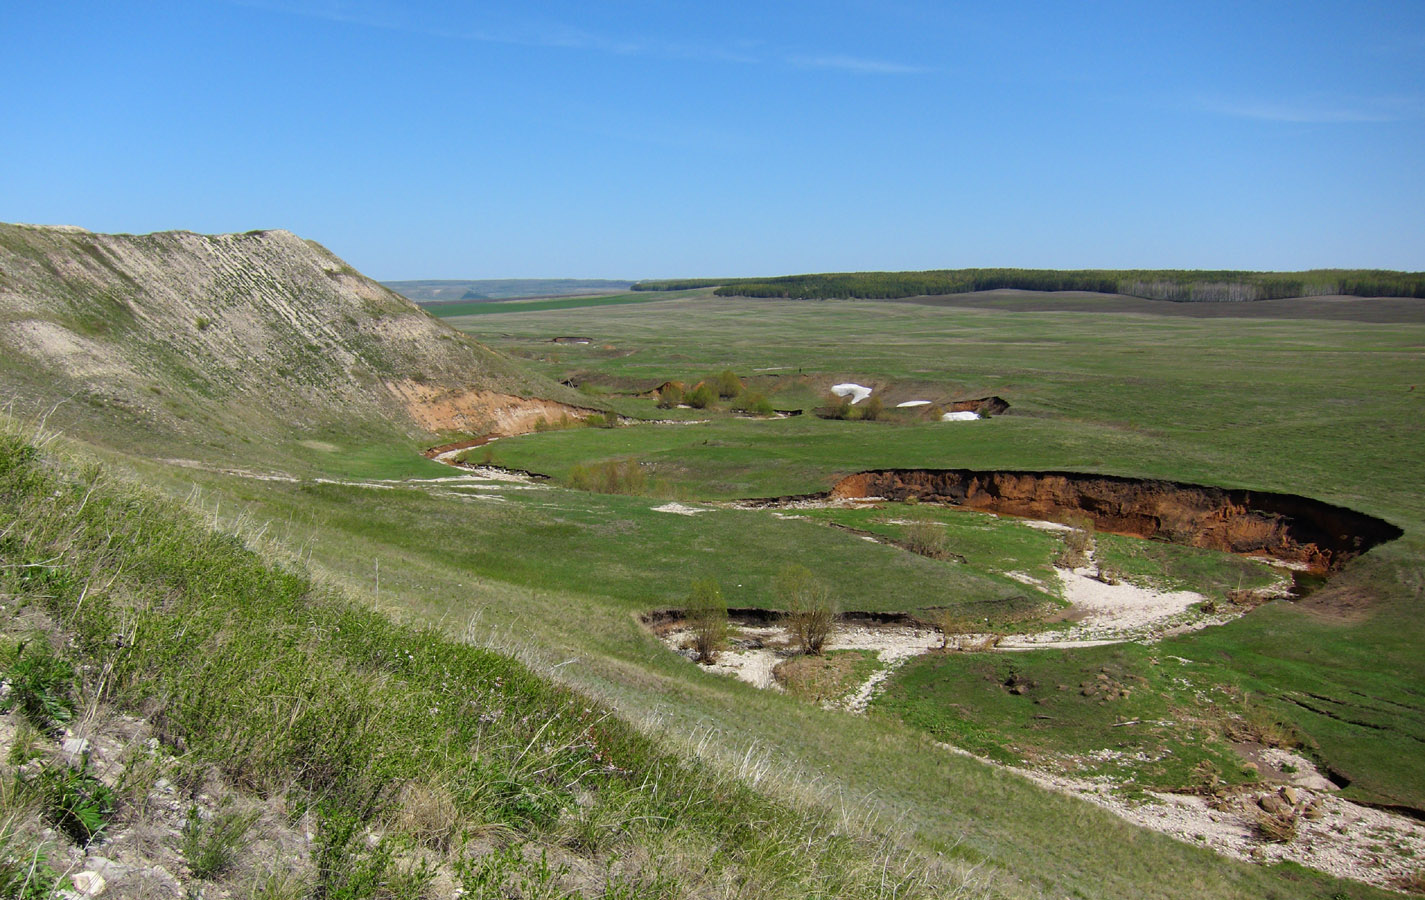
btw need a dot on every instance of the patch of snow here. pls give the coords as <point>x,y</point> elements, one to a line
<point>963,416</point>
<point>678,509</point>
<point>909,403</point>
<point>857,392</point>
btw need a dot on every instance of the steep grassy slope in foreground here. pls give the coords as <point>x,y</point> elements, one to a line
<point>212,341</point>
<point>410,757</point>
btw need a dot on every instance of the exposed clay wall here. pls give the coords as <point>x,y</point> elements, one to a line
<point>1284,526</point>
<point>438,409</point>
<point>985,406</point>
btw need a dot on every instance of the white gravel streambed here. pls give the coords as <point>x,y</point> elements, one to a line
<point>1334,835</point>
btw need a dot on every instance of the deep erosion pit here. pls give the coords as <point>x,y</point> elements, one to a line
<point>1317,535</point>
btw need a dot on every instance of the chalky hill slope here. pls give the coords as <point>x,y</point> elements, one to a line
<point>203,340</point>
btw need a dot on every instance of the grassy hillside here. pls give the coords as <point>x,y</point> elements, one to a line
<point>558,576</point>
<point>1153,284</point>
<point>226,341</point>
<point>413,758</point>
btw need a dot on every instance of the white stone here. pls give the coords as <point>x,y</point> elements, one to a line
<point>88,884</point>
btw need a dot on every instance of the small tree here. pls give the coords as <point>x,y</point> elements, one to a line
<point>754,403</point>
<point>701,397</point>
<point>811,615</point>
<point>707,616</point>
<point>728,384</point>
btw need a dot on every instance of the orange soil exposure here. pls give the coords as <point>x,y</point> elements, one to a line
<point>438,409</point>
<point>1284,526</point>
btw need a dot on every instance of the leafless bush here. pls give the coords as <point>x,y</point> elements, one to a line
<point>1078,543</point>
<point>811,614</point>
<point>927,538</point>
<point>707,616</point>
<point>1278,827</point>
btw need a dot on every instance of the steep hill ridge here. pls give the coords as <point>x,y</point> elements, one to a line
<point>235,335</point>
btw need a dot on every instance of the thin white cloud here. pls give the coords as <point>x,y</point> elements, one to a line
<point>376,14</point>
<point>857,64</point>
<point>1319,110</point>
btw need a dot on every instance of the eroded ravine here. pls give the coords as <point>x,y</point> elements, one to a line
<point>1317,535</point>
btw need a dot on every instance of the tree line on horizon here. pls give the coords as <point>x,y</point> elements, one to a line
<point>1180,285</point>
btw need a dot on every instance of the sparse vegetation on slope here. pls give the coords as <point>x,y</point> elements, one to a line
<point>216,340</point>
<point>284,687</point>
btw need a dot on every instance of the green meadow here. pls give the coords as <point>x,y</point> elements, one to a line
<point>559,577</point>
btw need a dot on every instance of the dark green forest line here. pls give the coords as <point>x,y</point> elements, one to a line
<point>1180,285</point>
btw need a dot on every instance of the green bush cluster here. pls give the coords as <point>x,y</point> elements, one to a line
<point>614,476</point>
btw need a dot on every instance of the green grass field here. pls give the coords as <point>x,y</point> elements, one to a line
<point>1323,409</point>
<point>560,576</point>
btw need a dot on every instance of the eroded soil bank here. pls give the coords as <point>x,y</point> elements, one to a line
<point>1317,535</point>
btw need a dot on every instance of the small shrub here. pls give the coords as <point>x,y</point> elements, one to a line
<point>279,883</point>
<point>1277,828</point>
<point>701,396</point>
<point>670,395</point>
<point>211,846</point>
<point>1078,543</point>
<point>202,323</point>
<point>872,409</point>
<point>707,616</point>
<point>811,615</point>
<point>728,384</point>
<point>837,407</point>
<point>927,538</point>
<point>39,686</point>
<point>1264,726</point>
<point>609,477</point>
<point>25,873</point>
<point>76,802</point>
<point>601,420</point>
<point>753,403</point>
<point>506,873</point>
<point>428,816</point>
<point>951,623</point>
<point>25,746</point>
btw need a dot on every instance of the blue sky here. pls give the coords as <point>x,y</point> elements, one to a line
<point>642,139</point>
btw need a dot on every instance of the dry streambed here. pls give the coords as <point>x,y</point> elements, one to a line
<point>1323,831</point>
<point>1291,814</point>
